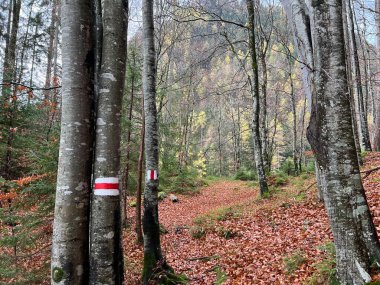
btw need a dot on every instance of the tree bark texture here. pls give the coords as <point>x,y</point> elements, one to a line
<point>106,258</point>
<point>376,144</point>
<point>152,245</point>
<point>331,137</point>
<point>358,80</point>
<point>300,14</point>
<point>350,86</point>
<point>71,221</point>
<point>140,177</point>
<point>254,83</point>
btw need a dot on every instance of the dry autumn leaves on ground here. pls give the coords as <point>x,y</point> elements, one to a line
<point>190,142</point>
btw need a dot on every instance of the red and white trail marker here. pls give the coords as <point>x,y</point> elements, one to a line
<point>151,175</point>
<point>106,186</point>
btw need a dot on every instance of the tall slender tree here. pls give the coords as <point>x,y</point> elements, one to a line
<point>152,246</point>
<point>377,106</point>
<point>255,87</point>
<point>106,258</point>
<point>69,264</point>
<point>354,53</point>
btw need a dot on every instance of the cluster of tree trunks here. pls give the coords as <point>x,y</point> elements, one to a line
<point>331,134</point>
<point>88,160</point>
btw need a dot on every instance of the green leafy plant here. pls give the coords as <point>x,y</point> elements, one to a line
<point>245,175</point>
<point>294,261</point>
<point>197,232</point>
<point>325,270</point>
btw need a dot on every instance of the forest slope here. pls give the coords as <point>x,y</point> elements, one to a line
<point>226,234</point>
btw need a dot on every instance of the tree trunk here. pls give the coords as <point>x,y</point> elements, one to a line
<point>358,81</point>
<point>299,15</point>
<point>350,86</point>
<point>331,137</point>
<point>254,83</point>
<point>106,257</point>
<point>376,144</point>
<point>10,49</point>
<point>152,247</point>
<point>50,52</point>
<point>139,178</point>
<point>69,263</point>
<point>294,114</point>
<point>128,150</point>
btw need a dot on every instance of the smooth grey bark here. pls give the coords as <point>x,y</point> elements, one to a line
<point>376,141</point>
<point>364,133</point>
<point>153,259</point>
<point>140,163</point>
<point>69,264</point>
<point>331,137</point>
<point>355,122</point>
<point>300,14</point>
<point>106,257</point>
<point>254,85</point>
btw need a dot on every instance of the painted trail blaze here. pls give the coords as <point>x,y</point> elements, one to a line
<point>107,186</point>
<point>151,175</point>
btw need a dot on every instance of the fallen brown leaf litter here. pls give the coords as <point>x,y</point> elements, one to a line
<point>226,233</point>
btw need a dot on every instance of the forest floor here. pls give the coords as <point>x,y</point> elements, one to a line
<point>223,233</point>
<point>226,234</point>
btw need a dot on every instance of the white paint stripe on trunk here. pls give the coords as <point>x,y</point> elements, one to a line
<point>151,174</point>
<point>106,192</point>
<point>107,180</point>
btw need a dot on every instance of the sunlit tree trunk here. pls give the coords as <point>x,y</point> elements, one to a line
<point>106,257</point>
<point>69,264</point>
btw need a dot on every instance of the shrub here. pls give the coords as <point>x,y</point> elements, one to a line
<point>245,175</point>
<point>162,195</point>
<point>287,166</point>
<point>197,232</point>
<point>226,233</point>
<point>184,182</point>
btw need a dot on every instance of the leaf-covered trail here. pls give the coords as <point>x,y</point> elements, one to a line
<point>246,238</point>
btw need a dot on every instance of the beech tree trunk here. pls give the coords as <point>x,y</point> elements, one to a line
<point>358,80</point>
<point>350,85</point>
<point>376,144</point>
<point>254,83</point>
<point>299,14</point>
<point>140,177</point>
<point>69,264</point>
<point>331,137</point>
<point>106,258</point>
<point>153,258</point>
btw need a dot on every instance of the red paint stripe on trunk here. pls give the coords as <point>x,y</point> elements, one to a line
<point>106,185</point>
<point>151,174</point>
